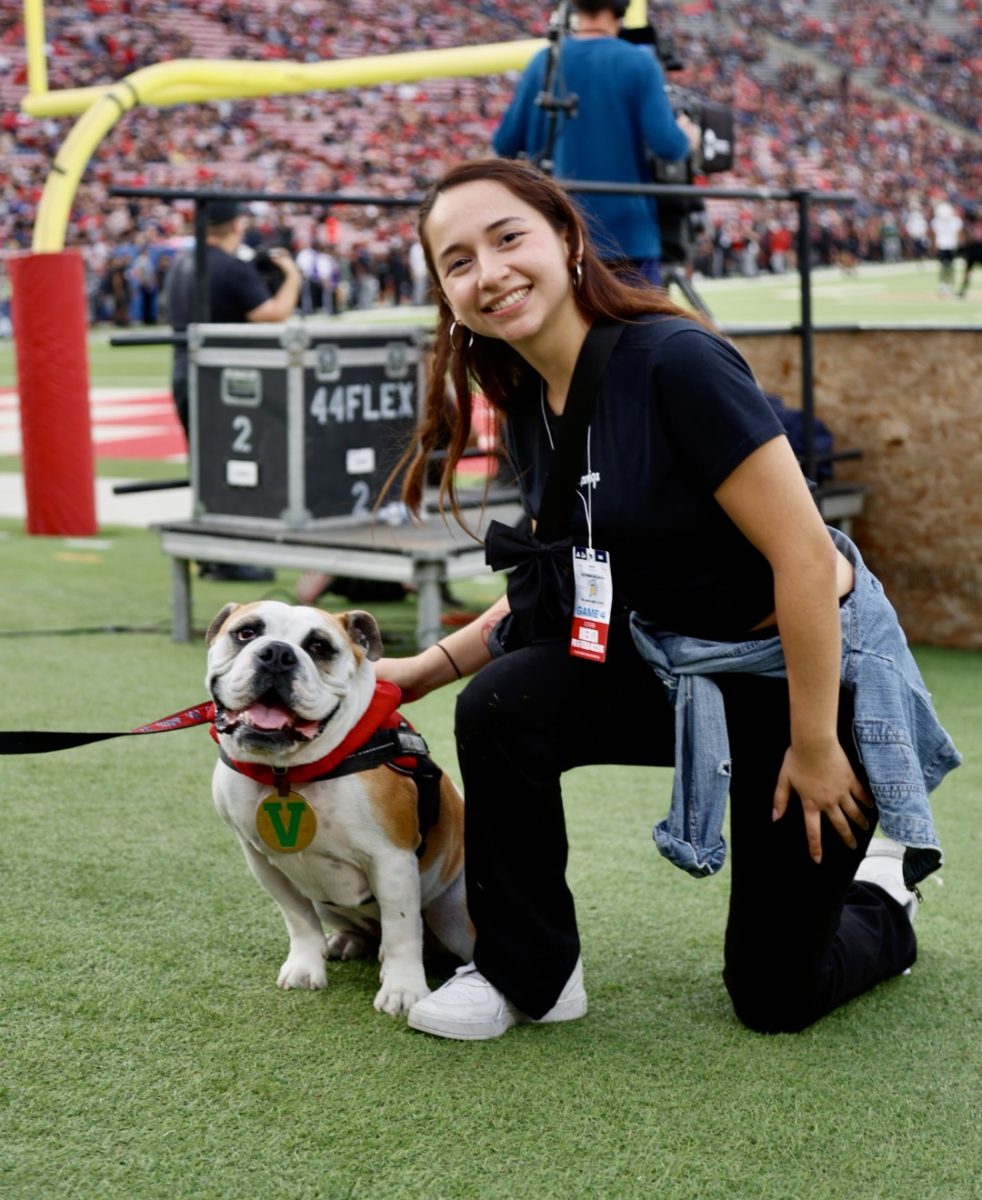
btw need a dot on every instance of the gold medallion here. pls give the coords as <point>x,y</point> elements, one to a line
<point>286,823</point>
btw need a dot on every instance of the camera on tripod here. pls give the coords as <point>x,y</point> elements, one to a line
<point>715,121</point>
<point>681,221</point>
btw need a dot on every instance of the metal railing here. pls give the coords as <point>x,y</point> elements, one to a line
<point>802,197</point>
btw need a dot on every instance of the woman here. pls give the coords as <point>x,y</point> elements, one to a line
<point>689,487</point>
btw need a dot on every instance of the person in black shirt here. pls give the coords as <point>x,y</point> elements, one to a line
<point>692,513</point>
<point>236,293</point>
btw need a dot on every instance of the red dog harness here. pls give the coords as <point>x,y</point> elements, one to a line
<point>381,737</point>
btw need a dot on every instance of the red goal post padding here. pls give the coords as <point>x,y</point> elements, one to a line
<point>49,315</point>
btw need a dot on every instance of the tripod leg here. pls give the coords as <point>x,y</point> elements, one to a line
<point>684,284</point>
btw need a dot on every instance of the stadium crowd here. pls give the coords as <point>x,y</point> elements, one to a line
<point>797,125</point>
<point>928,52</point>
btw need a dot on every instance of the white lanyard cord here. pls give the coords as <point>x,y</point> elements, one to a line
<point>587,500</point>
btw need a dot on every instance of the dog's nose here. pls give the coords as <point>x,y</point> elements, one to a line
<point>277,656</point>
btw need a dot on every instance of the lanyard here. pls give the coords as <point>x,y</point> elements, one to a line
<point>587,500</point>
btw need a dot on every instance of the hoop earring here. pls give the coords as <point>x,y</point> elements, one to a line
<point>577,276</point>
<point>470,337</point>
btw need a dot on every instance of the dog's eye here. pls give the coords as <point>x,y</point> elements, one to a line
<point>320,648</point>
<point>245,633</point>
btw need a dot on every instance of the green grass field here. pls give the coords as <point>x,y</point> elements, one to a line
<point>148,1055</point>
<point>874,295</point>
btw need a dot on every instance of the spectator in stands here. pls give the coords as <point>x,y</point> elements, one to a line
<point>779,247</point>
<point>236,293</point>
<point>364,280</point>
<point>397,272</point>
<point>311,269</point>
<point>116,289</point>
<point>143,272</point>
<point>164,260</point>
<point>418,273</point>
<point>794,129</point>
<point>622,117</point>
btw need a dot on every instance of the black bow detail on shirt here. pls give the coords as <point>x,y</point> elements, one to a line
<point>540,586</point>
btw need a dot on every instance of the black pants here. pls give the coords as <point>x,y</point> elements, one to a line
<point>182,406</point>
<point>801,938</point>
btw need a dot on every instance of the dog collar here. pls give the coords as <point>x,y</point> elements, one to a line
<point>381,735</point>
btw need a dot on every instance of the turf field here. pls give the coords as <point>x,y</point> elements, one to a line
<point>147,1054</point>
<point>874,295</point>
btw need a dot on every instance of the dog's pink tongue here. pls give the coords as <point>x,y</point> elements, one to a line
<point>265,716</point>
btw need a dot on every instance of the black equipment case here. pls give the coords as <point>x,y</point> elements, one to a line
<point>298,425</point>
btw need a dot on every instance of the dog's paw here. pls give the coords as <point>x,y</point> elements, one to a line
<point>346,945</point>
<point>302,971</point>
<point>397,997</point>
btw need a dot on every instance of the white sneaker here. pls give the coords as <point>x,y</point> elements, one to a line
<point>470,1008</point>
<point>884,866</point>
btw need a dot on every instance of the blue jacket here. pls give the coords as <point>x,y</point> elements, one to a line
<point>622,111</point>
<point>904,750</point>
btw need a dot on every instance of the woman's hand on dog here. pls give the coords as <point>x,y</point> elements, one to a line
<point>410,675</point>
<point>453,658</point>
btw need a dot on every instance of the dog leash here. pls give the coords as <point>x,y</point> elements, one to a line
<point>391,741</point>
<point>38,741</point>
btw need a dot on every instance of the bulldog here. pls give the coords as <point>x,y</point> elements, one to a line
<point>343,819</point>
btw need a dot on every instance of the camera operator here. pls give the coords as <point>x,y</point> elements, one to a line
<point>237,292</point>
<point>621,116</point>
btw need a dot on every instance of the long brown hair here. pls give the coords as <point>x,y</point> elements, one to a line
<point>489,366</point>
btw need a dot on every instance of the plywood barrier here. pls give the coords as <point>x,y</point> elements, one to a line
<point>911,401</point>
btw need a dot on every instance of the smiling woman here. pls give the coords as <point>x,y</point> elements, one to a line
<point>681,603</point>
<point>518,285</point>
<point>509,277</point>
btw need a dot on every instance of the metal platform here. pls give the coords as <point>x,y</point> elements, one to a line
<point>424,554</point>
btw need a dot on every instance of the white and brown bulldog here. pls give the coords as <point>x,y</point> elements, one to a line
<point>296,700</point>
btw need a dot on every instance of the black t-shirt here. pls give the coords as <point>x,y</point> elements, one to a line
<point>677,411</point>
<point>235,288</point>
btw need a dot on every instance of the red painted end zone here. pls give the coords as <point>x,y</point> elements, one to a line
<point>138,425</point>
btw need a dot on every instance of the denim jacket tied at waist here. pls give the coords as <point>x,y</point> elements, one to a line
<point>904,750</point>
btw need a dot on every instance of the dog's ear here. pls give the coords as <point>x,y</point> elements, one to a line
<point>219,621</point>
<point>363,630</point>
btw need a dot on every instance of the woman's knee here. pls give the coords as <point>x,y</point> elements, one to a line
<point>769,1005</point>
